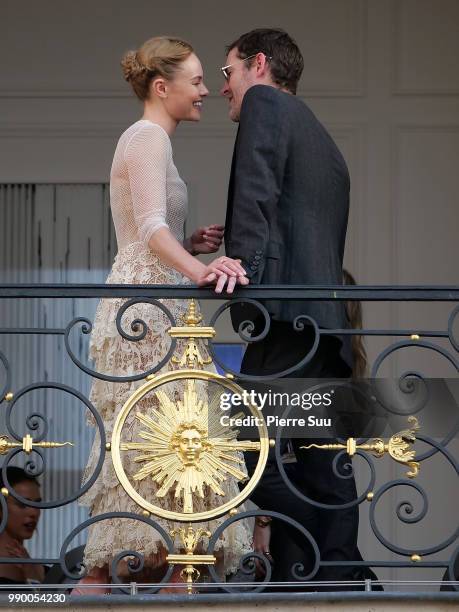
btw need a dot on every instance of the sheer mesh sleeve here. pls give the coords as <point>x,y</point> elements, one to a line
<point>147,156</point>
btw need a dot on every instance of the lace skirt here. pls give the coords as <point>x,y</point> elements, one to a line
<point>117,356</point>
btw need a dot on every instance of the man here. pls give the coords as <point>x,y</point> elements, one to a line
<point>286,221</point>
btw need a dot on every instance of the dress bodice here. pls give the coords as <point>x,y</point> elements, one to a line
<point>146,191</point>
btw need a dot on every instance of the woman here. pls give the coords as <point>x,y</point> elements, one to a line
<point>21,524</point>
<point>149,203</point>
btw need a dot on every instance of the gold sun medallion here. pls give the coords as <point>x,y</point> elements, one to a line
<point>184,448</point>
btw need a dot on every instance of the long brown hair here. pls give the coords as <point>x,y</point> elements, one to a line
<point>355,317</point>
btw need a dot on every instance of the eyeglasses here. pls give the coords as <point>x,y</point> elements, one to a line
<point>227,73</point>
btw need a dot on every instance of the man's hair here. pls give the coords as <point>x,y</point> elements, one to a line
<point>287,62</point>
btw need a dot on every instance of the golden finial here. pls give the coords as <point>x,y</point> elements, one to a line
<point>398,447</point>
<point>189,574</point>
<point>370,496</point>
<point>4,445</point>
<point>192,330</point>
<point>9,396</point>
<point>192,317</point>
<point>192,356</point>
<point>28,444</point>
<point>189,539</point>
<point>416,558</point>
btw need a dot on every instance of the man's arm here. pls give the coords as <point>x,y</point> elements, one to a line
<point>257,177</point>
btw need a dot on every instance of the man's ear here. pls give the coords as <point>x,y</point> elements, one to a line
<point>262,65</point>
<point>159,87</point>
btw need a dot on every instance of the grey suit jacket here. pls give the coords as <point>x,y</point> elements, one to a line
<point>288,203</point>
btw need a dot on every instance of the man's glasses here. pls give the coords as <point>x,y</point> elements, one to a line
<point>225,69</point>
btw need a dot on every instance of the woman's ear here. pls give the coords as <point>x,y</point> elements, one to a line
<point>159,87</point>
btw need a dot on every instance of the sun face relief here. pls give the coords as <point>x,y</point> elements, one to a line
<point>186,450</point>
<point>190,446</point>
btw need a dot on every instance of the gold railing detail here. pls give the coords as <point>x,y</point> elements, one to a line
<point>190,538</point>
<point>183,445</point>
<point>191,329</point>
<point>399,447</point>
<point>28,444</point>
<point>181,454</point>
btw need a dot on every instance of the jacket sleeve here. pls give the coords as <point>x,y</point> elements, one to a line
<point>260,159</point>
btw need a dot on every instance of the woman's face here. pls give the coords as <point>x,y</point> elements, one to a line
<point>22,520</point>
<point>186,91</point>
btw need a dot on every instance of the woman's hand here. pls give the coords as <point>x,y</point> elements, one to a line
<point>223,271</point>
<point>15,549</point>
<point>205,240</point>
<point>261,541</point>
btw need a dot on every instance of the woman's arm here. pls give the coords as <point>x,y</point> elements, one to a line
<point>173,254</point>
<point>147,155</point>
<point>223,270</point>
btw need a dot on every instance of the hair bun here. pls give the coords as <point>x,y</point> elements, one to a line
<point>159,56</point>
<point>131,66</point>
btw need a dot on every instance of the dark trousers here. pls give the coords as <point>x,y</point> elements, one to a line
<point>335,531</point>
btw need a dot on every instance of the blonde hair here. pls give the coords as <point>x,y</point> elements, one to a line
<point>159,56</point>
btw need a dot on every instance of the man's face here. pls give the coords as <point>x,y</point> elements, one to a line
<point>241,78</point>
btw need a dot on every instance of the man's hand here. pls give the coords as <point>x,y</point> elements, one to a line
<point>206,240</point>
<point>261,540</point>
<point>223,271</point>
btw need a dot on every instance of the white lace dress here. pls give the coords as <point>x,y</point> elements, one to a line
<point>146,193</point>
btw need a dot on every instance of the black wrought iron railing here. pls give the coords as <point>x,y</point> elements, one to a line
<point>439,558</point>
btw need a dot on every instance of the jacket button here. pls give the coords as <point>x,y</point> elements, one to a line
<point>258,252</point>
<point>253,267</point>
<point>257,257</point>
